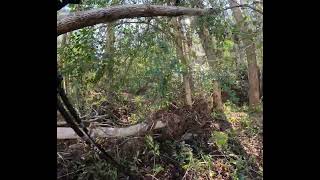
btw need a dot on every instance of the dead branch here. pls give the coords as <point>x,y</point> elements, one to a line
<point>105,132</point>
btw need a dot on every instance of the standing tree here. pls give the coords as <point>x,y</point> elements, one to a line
<point>181,52</point>
<point>208,44</point>
<point>254,97</point>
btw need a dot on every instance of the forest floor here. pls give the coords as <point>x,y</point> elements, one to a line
<point>226,145</point>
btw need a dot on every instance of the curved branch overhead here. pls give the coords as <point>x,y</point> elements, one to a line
<point>92,17</point>
<point>103,15</point>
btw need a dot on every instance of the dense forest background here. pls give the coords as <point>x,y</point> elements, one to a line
<point>200,76</point>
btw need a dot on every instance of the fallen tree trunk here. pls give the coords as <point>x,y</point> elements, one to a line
<point>105,132</point>
<point>103,15</point>
<point>87,18</point>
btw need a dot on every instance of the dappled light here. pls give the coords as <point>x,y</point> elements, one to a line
<point>159,89</point>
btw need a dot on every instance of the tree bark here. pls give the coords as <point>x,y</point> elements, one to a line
<point>65,80</point>
<point>183,57</point>
<point>110,49</point>
<point>108,132</point>
<point>83,19</point>
<point>208,44</point>
<point>261,83</point>
<point>216,96</point>
<point>254,97</point>
<point>239,55</point>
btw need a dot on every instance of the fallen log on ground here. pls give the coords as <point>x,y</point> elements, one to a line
<point>105,132</point>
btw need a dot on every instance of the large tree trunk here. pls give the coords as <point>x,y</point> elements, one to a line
<point>261,83</point>
<point>181,52</point>
<point>216,95</point>
<point>105,132</point>
<point>60,58</point>
<point>208,44</point>
<point>189,52</point>
<point>239,55</point>
<point>254,97</point>
<point>83,19</point>
<point>110,49</point>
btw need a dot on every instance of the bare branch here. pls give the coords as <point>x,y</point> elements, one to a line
<point>245,6</point>
<point>147,23</point>
<point>91,17</point>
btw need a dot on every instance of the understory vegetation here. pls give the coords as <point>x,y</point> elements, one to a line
<point>199,75</point>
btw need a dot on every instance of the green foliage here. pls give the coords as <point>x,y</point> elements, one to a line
<point>220,139</point>
<point>89,167</point>
<point>152,145</point>
<point>100,170</point>
<point>157,169</point>
<point>185,155</point>
<point>240,164</point>
<point>200,165</point>
<point>144,57</point>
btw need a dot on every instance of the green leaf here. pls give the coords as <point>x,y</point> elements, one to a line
<point>220,138</point>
